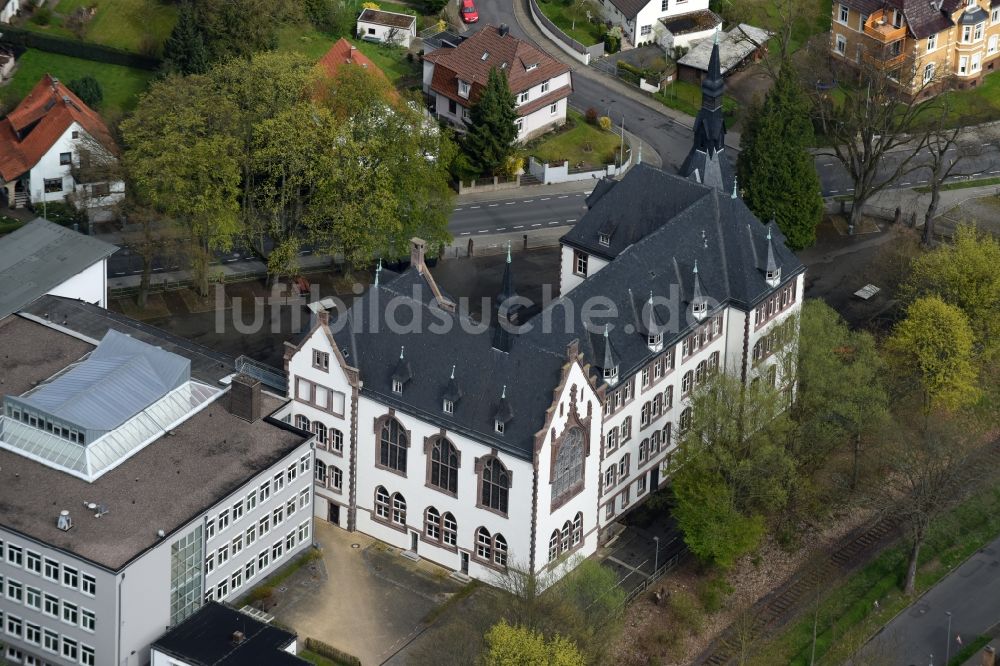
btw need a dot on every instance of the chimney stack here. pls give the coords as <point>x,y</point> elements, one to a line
<point>418,247</point>
<point>504,29</point>
<point>244,398</point>
<point>65,523</point>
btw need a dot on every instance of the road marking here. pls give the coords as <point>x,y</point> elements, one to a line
<point>907,183</point>
<point>577,195</point>
<point>921,181</point>
<point>510,203</point>
<point>545,198</point>
<point>830,164</point>
<point>573,220</point>
<point>537,224</point>
<point>834,191</point>
<point>473,207</point>
<point>985,144</point>
<point>551,223</point>
<point>850,189</point>
<point>482,231</point>
<point>121,273</point>
<point>994,171</point>
<point>520,226</point>
<point>588,192</point>
<point>465,233</point>
<point>528,201</point>
<point>457,209</point>
<point>493,205</point>
<point>565,196</point>
<point>502,229</point>
<point>158,269</point>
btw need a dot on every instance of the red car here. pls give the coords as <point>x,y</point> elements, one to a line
<point>469,13</point>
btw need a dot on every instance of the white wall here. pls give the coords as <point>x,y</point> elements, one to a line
<point>568,279</point>
<point>542,120</point>
<point>380,32</point>
<point>10,8</point>
<point>48,167</point>
<point>90,285</point>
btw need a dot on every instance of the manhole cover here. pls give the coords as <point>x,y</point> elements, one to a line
<point>355,545</point>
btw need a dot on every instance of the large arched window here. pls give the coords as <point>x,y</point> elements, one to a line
<point>568,471</point>
<point>321,433</point>
<point>567,539</point>
<point>554,545</point>
<point>432,524</point>
<point>336,440</point>
<point>302,423</point>
<point>484,544</point>
<point>495,485</point>
<point>398,509</point>
<point>449,530</point>
<point>381,503</point>
<point>444,466</point>
<point>499,550</point>
<point>319,472</point>
<point>392,446</point>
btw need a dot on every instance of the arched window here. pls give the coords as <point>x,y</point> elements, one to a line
<point>495,482</point>
<point>484,545</point>
<point>554,545</point>
<point>700,372</point>
<point>320,430</point>
<point>657,405</point>
<point>392,446</point>
<point>568,471</point>
<point>500,550</point>
<point>685,420</point>
<point>758,350</point>
<point>713,361</point>
<point>444,465</point>
<point>665,438</point>
<point>398,509</point>
<point>432,524</point>
<point>564,537</point>
<point>644,415</point>
<point>302,423</point>
<point>686,382</point>
<point>668,398</point>
<point>449,529</point>
<point>337,477</point>
<point>381,503</point>
<point>336,440</point>
<point>577,529</point>
<point>319,472</point>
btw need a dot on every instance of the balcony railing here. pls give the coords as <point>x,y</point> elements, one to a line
<point>885,60</point>
<point>879,27</point>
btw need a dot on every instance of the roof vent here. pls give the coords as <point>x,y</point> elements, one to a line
<point>486,54</point>
<point>238,637</point>
<point>504,29</point>
<point>161,533</point>
<point>64,522</point>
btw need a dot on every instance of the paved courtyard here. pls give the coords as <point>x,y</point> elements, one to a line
<point>362,597</point>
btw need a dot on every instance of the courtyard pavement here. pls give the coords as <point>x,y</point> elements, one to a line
<point>362,597</point>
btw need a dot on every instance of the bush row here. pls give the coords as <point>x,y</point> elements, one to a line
<point>330,652</point>
<point>19,37</point>
<point>630,72</point>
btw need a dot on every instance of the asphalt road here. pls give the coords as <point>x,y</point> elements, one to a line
<point>919,635</point>
<point>519,213</point>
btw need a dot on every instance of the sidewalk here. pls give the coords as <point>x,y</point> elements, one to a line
<point>911,201</point>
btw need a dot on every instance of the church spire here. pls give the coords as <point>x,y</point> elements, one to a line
<point>707,152</point>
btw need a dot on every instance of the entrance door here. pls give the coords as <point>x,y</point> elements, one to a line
<point>465,563</point>
<point>334,513</point>
<point>413,541</point>
<point>654,478</point>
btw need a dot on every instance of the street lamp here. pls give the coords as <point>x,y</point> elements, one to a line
<point>656,561</point>
<point>947,640</point>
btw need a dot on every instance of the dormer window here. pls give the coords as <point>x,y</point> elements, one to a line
<point>486,55</point>
<point>611,374</point>
<point>654,340</point>
<point>773,276</point>
<point>463,89</point>
<point>498,426</point>
<point>604,239</point>
<point>449,407</point>
<point>397,386</point>
<point>531,67</point>
<point>700,308</point>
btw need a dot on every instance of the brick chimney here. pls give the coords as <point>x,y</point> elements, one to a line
<point>244,398</point>
<point>418,247</point>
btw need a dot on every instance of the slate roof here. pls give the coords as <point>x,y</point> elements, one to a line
<point>505,52</point>
<point>735,47</point>
<point>630,8</point>
<point>30,130</point>
<point>206,639</point>
<point>40,256</point>
<point>670,223</point>
<point>391,19</point>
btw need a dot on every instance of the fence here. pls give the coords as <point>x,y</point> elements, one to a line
<point>19,37</point>
<point>562,172</point>
<point>574,48</point>
<point>493,184</point>
<point>268,375</point>
<point>664,568</point>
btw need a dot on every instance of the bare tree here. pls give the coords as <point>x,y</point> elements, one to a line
<point>875,128</point>
<point>149,237</point>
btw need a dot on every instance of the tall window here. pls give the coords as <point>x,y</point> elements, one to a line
<point>668,398</point>
<point>398,509</point>
<point>499,550</point>
<point>932,42</point>
<point>444,465</point>
<point>302,423</point>
<point>484,545</point>
<point>568,472</point>
<point>381,503</point>
<point>844,13</point>
<point>580,263</point>
<point>319,472</point>
<point>685,422</point>
<point>449,529</point>
<point>929,71</point>
<point>432,524</point>
<point>700,372</point>
<point>495,481</point>
<point>321,433</point>
<point>336,440</point>
<point>392,446</point>
<point>686,382</point>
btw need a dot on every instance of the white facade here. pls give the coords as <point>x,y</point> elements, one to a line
<point>51,178</point>
<point>642,29</point>
<point>575,266</point>
<point>89,285</point>
<point>386,34</point>
<point>9,10</point>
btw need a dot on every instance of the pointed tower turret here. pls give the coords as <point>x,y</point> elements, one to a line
<point>608,359</point>
<point>452,393</point>
<point>772,271</point>
<point>652,326</point>
<point>699,303</point>
<point>503,414</point>
<point>507,290</point>
<point>402,374</point>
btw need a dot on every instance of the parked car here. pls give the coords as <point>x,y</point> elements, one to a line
<point>469,12</point>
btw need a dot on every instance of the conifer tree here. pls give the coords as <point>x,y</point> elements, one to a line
<point>492,131</point>
<point>184,51</point>
<point>776,170</point>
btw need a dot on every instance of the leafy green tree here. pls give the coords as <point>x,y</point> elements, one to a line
<point>518,646</point>
<point>933,351</point>
<point>88,89</point>
<point>184,162</point>
<point>776,170</point>
<point>492,132</point>
<point>243,27</point>
<point>184,51</point>
<point>964,274</point>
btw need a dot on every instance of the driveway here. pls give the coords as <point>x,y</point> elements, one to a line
<point>650,539</point>
<point>971,593</point>
<point>362,597</point>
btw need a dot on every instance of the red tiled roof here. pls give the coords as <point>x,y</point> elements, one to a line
<point>505,52</point>
<point>344,53</point>
<point>445,82</point>
<point>54,108</point>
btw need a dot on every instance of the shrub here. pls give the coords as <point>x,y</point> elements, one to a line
<point>88,89</point>
<point>23,38</point>
<point>330,652</point>
<point>686,611</point>
<point>370,5</point>
<point>605,123</point>
<point>62,213</point>
<point>42,16</point>
<point>591,116</point>
<point>712,592</point>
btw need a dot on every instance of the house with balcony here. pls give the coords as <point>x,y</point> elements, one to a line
<point>454,77</point>
<point>921,43</point>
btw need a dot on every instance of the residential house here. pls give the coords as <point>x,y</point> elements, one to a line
<point>741,45</point>
<point>41,142</point>
<point>140,476</point>
<point>679,22</point>
<point>522,441</point>
<point>9,9</point>
<point>454,78</point>
<point>374,25</point>
<point>44,258</point>
<point>344,53</point>
<point>924,44</point>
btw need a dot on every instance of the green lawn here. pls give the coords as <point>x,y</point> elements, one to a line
<point>313,44</point>
<point>974,106</point>
<point>686,97</point>
<point>563,12</point>
<point>847,615</point>
<point>766,14</point>
<point>121,85</point>
<point>140,26</point>
<point>577,142</point>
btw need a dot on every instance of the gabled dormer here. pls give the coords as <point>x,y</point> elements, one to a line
<point>402,374</point>
<point>452,394</point>
<point>503,414</point>
<point>608,359</point>
<point>772,271</point>
<point>699,302</point>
